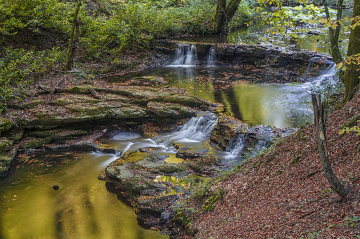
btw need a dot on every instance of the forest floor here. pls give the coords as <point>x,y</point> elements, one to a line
<point>284,193</point>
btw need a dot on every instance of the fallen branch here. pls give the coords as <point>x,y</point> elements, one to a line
<point>43,88</point>
<point>56,87</point>
<point>94,93</point>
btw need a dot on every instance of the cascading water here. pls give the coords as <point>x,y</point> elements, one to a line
<point>237,144</point>
<point>211,57</point>
<point>295,99</point>
<point>185,56</point>
<point>193,132</point>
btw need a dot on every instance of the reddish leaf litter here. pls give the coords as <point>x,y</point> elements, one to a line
<point>284,192</point>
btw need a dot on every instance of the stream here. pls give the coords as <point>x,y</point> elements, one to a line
<point>85,207</point>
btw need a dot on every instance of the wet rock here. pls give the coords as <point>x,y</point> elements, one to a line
<point>58,135</point>
<point>186,154</point>
<point>155,206</point>
<point>5,161</point>
<point>205,165</point>
<point>225,130</point>
<point>84,145</point>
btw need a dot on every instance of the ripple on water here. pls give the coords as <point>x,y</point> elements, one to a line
<point>125,136</point>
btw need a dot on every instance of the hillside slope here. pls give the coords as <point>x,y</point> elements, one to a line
<point>284,193</point>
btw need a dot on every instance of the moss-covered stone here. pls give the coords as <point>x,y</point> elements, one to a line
<point>171,110</point>
<point>34,142</point>
<point>5,125</point>
<point>5,145</point>
<point>5,161</point>
<point>16,136</point>
<point>225,130</point>
<point>83,89</point>
<point>57,135</point>
<point>132,112</point>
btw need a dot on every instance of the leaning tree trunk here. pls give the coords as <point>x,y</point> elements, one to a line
<point>224,14</point>
<point>70,54</point>
<point>334,33</point>
<point>321,138</point>
<point>352,75</point>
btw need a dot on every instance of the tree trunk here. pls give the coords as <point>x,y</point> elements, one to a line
<point>334,33</point>
<point>70,54</point>
<point>321,138</point>
<point>352,73</point>
<point>224,14</point>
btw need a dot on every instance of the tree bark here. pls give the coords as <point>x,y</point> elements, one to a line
<point>70,54</point>
<point>334,33</point>
<point>224,14</point>
<point>352,74</point>
<point>321,138</point>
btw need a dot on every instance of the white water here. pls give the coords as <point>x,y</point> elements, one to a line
<point>237,144</point>
<point>190,135</point>
<point>211,57</point>
<point>294,100</point>
<point>185,56</point>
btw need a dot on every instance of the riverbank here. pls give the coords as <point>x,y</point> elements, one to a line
<point>284,192</point>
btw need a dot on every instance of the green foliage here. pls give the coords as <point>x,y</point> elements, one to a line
<point>242,16</point>
<point>16,67</point>
<point>353,220</point>
<point>33,14</point>
<point>212,199</point>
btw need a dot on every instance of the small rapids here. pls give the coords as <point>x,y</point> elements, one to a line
<point>192,135</point>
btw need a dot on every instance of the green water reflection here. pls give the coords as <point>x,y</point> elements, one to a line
<point>81,208</point>
<point>268,104</point>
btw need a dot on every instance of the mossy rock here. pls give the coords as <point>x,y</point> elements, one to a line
<point>155,205</point>
<point>205,165</point>
<point>147,81</point>
<point>120,172</point>
<point>34,142</point>
<point>62,101</point>
<point>5,145</point>
<point>225,130</point>
<point>90,109</point>
<point>4,166</point>
<point>132,112</point>
<point>187,100</point>
<point>136,184</point>
<point>170,110</point>
<point>116,97</point>
<point>57,135</point>
<point>83,89</point>
<point>5,161</point>
<point>16,136</point>
<point>5,125</point>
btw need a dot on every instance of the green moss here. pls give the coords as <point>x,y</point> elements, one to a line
<point>138,183</point>
<point>5,145</point>
<point>35,142</point>
<point>58,134</point>
<point>84,89</point>
<point>5,125</point>
<point>170,110</point>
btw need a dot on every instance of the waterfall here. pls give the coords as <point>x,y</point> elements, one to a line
<point>195,130</point>
<point>237,144</point>
<point>185,56</point>
<point>211,57</point>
